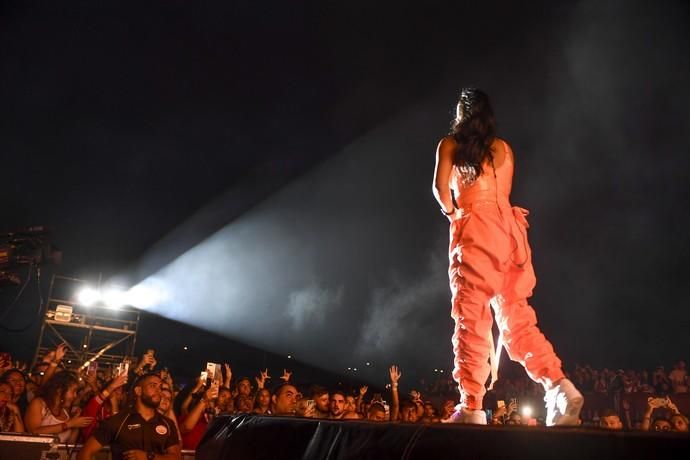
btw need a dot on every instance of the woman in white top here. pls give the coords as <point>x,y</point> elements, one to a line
<point>48,413</point>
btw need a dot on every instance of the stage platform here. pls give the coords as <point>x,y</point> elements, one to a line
<point>273,438</point>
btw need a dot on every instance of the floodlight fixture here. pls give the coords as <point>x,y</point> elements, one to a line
<point>88,296</point>
<point>114,298</point>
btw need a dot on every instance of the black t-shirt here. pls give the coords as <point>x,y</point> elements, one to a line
<point>129,431</point>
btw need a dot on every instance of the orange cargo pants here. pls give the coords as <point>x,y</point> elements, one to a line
<point>491,262</point>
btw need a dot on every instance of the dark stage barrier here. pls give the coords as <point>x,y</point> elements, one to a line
<point>273,438</point>
<point>23,446</point>
<point>20,446</point>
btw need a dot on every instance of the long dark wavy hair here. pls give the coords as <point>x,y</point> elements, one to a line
<point>57,386</point>
<point>474,131</point>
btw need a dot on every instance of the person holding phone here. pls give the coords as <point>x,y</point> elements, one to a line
<point>104,404</point>
<point>491,265</point>
<point>193,424</point>
<point>146,364</point>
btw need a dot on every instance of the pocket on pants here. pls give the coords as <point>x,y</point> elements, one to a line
<point>521,216</point>
<point>522,253</point>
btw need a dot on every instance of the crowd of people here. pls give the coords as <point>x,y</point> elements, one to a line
<point>92,406</point>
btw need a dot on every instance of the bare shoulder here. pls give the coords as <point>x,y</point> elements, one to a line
<point>36,402</point>
<point>447,141</point>
<point>446,146</point>
<point>503,144</point>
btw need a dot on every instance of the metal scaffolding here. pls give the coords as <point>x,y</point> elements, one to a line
<point>95,333</point>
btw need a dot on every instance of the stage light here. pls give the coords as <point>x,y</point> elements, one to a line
<point>88,296</point>
<point>289,356</point>
<point>114,298</point>
<point>368,364</point>
<point>185,348</point>
<point>526,411</point>
<point>146,295</point>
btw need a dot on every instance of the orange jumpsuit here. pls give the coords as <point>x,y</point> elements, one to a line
<point>491,264</point>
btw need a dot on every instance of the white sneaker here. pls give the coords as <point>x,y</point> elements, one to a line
<point>468,416</point>
<point>563,404</point>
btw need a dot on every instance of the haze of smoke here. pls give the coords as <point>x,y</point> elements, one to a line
<point>395,312</point>
<point>309,306</point>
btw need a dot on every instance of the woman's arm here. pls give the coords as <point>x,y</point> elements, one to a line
<point>445,153</point>
<point>184,408</point>
<point>54,359</point>
<point>647,418</point>
<point>18,425</point>
<point>32,420</point>
<point>193,417</point>
<point>360,398</point>
<point>33,416</point>
<point>395,403</point>
<point>228,376</point>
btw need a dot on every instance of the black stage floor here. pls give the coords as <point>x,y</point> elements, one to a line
<point>257,437</point>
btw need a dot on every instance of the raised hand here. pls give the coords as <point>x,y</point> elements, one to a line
<point>286,375</point>
<point>212,392</point>
<point>654,402</point>
<point>261,380</point>
<point>118,381</point>
<point>395,373</point>
<point>199,384</point>
<point>228,371</point>
<point>363,390</point>
<point>91,379</point>
<point>60,352</point>
<point>500,412</point>
<point>512,406</point>
<point>149,359</point>
<point>305,410</point>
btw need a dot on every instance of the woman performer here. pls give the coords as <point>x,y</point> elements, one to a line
<point>490,264</point>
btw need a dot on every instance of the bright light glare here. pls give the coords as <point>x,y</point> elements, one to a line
<point>526,411</point>
<point>88,296</point>
<point>146,295</point>
<point>114,298</point>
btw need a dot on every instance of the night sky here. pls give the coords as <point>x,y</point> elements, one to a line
<point>269,164</point>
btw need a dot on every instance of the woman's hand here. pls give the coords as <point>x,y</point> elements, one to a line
<point>212,392</point>
<point>395,374</point>
<point>79,422</point>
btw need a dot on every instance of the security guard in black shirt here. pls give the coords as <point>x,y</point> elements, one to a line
<point>139,434</point>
